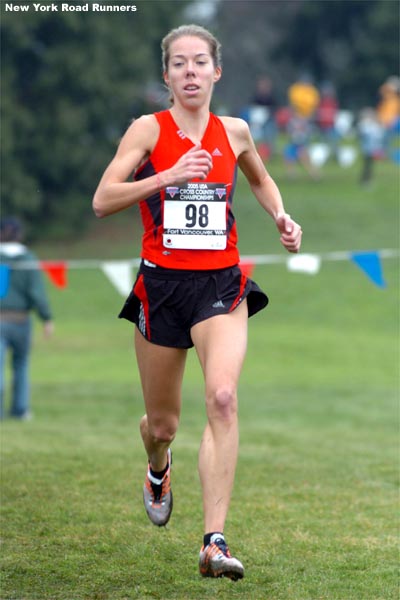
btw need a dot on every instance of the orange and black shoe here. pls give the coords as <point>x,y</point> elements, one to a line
<point>216,561</point>
<point>157,496</point>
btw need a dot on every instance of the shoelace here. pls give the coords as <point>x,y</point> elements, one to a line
<point>158,489</point>
<point>222,546</point>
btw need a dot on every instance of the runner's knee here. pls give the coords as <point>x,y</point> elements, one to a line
<point>163,432</point>
<point>222,403</point>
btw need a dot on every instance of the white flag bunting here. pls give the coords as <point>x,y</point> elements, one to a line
<point>120,273</point>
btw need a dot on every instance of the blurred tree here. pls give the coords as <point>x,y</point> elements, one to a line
<point>353,43</point>
<point>71,84</point>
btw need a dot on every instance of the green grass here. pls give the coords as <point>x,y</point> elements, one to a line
<point>314,513</point>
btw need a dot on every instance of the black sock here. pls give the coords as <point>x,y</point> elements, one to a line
<point>159,474</point>
<point>208,536</point>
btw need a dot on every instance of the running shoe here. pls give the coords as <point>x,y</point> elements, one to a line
<point>216,561</point>
<point>157,496</point>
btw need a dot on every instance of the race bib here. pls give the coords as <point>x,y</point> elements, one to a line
<point>195,216</point>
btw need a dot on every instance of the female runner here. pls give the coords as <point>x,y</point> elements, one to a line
<point>190,290</point>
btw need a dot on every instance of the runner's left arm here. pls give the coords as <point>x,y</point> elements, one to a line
<point>265,189</point>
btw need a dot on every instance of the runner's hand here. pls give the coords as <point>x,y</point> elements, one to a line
<point>195,164</point>
<point>290,232</point>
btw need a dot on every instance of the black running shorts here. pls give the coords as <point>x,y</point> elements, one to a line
<point>166,303</point>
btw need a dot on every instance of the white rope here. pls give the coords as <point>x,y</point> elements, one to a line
<point>256,259</point>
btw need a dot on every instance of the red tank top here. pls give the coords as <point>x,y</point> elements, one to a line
<point>190,226</point>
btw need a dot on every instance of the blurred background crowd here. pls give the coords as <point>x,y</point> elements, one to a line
<point>316,128</point>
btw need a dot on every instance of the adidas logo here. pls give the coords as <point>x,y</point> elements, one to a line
<point>218,304</point>
<point>216,152</point>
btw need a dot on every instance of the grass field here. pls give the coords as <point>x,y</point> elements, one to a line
<point>314,513</point>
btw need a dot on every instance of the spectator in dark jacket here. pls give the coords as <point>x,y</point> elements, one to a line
<point>25,293</point>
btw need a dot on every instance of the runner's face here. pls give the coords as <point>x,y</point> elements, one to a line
<point>191,73</point>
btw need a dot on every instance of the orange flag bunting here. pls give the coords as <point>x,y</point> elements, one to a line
<point>56,271</point>
<point>247,267</point>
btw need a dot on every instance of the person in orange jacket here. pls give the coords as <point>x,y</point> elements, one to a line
<point>388,109</point>
<point>304,97</point>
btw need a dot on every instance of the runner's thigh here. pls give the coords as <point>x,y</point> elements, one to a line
<point>221,343</point>
<point>161,372</point>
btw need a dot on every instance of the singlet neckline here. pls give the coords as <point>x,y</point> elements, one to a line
<point>184,133</point>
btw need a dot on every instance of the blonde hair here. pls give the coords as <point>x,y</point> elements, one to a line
<point>192,31</point>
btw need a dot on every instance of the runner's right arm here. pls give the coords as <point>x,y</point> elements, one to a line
<point>114,193</point>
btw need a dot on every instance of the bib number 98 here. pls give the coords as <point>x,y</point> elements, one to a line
<point>196,215</point>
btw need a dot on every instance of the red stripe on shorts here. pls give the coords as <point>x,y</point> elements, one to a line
<point>140,292</point>
<point>243,281</point>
